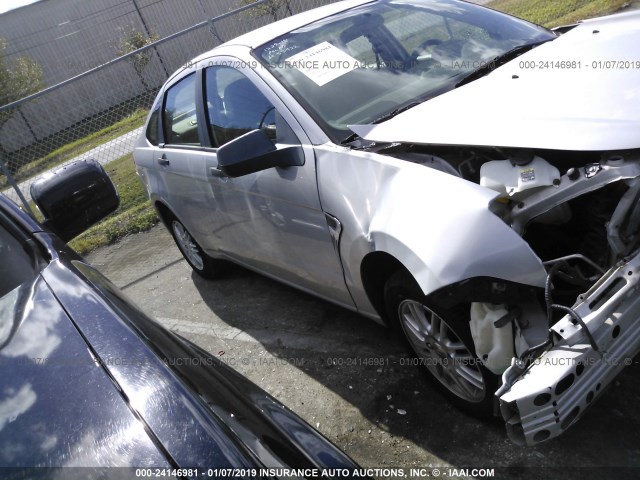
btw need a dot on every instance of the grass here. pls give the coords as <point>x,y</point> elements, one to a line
<point>78,147</point>
<point>553,13</point>
<point>135,213</point>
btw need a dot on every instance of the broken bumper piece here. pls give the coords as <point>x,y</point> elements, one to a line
<point>561,384</point>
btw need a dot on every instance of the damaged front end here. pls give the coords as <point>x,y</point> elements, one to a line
<point>565,165</point>
<point>543,394</point>
<point>559,347</point>
<point>591,335</point>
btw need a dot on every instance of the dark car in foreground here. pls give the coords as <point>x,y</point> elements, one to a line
<point>88,380</point>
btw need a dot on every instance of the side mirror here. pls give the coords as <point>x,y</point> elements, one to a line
<point>74,197</point>
<point>253,152</point>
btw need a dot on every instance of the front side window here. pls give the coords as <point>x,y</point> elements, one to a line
<point>359,65</point>
<point>235,106</point>
<point>179,114</point>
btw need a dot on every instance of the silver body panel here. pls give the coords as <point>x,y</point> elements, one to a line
<point>393,206</point>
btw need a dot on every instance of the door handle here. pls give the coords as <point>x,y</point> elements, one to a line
<point>163,160</point>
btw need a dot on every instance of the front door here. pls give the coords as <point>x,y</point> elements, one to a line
<point>273,219</point>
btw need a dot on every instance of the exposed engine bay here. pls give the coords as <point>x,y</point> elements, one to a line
<point>570,197</point>
<point>556,348</point>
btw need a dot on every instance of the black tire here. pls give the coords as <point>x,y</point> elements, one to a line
<point>449,355</point>
<point>202,264</point>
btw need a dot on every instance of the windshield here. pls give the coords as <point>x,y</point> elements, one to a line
<point>357,66</point>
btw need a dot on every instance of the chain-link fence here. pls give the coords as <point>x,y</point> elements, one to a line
<point>99,113</point>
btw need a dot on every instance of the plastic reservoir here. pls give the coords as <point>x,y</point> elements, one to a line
<point>506,178</point>
<point>494,346</point>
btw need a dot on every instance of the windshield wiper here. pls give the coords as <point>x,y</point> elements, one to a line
<point>354,136</point>
<point>351,138</point>
<point>498,61</point>
<point>395,112</point>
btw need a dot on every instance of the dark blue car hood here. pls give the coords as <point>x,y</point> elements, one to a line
<point>89,380</point>
<point>57,405</point>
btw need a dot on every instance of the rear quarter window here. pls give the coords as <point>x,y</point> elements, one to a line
<point>17,264</point>
<point>152,127</point>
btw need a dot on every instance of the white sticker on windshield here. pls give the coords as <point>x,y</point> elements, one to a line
<point>323,63</point>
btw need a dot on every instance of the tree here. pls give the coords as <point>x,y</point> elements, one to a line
<point>269,8</point>
<point>19,77</point>
<point>131,40</point>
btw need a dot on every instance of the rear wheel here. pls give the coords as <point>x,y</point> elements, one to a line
<point>202,264</point>
<point>441,342</point>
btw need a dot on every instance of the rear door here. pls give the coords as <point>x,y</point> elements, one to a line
<point>171,161</point>
<point>180,161</point>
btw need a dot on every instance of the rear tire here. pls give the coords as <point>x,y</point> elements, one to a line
<point>441,341</point>
<point>202,264</point>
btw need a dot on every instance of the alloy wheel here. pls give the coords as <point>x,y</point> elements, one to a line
<point>440,349</point>
<point>188,245</point>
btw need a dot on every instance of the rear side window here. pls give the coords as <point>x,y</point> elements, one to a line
<point>179,114</point>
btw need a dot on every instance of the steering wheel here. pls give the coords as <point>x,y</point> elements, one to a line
<point>264,117</point>
<point>411,59</point>
<point>427,43</point>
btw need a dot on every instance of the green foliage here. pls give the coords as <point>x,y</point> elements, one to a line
<point>553,13</point>
<point>131,40</point>
<point>270,8</point>
<point>19,77</point>
<point>122,172</point>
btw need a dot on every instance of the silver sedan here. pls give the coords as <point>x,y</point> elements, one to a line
<point>466,177</point>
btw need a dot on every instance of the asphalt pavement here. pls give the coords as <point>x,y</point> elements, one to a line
<point>351,380</point>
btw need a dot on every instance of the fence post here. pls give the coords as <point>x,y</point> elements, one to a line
<point>214,32</point>
<point>148,34</point>
<point>12,182</point>
<point>24,118</point>
<point>212,25</point>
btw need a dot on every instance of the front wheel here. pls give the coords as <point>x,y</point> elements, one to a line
<point>441,341</point>
<point>202,264</point>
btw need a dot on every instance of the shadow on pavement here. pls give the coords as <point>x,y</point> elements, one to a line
<point>359,361</point>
